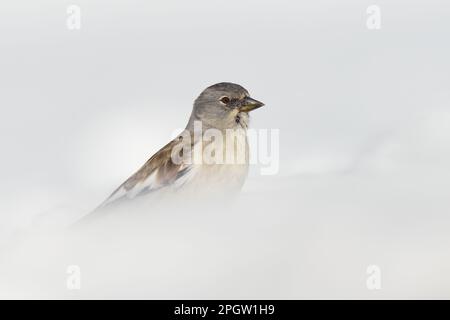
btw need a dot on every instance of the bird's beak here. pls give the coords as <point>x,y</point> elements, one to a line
<point>249,104</point>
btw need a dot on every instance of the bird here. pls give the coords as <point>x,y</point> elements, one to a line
<point>219,110</point>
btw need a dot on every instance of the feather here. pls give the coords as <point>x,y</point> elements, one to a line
<point>158,172</point>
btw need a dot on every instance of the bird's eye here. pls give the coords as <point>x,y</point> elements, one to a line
<point>225,100</point>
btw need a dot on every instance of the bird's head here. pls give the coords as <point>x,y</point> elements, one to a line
<point>224,105</point>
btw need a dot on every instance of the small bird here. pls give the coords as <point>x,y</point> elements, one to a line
<point>220,109</point>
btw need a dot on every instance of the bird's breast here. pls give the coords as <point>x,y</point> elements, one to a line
<point>224,166</point>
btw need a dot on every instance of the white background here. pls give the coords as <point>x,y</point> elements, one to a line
<point>364,122</point>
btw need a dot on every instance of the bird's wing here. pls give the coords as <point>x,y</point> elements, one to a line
<point>159,171</point>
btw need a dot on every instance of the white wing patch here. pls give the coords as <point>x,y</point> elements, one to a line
<point>188,174</point>
<point>160,178</point>
<point>150,184</point>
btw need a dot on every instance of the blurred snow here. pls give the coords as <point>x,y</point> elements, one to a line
<point>364,123</point>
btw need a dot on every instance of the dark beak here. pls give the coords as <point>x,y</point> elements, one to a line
<point>249,104</point>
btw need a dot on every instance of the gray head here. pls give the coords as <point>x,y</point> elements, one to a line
<point>222,106</point>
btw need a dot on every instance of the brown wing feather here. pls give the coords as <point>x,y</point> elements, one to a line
<point>166,171</point>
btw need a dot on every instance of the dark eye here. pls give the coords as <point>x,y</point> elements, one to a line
<point>225,100</point>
